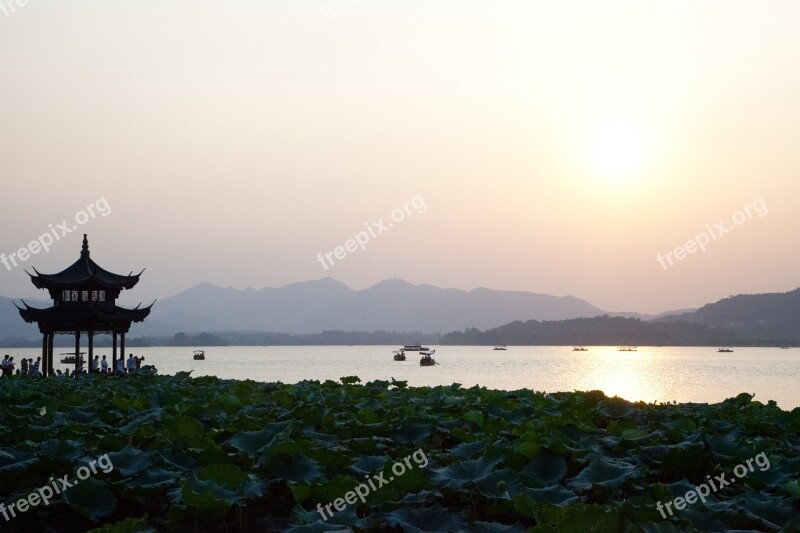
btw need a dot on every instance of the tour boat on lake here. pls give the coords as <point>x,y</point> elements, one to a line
<point>414,348</point>
<point>69,358</point>
<point>427,358</point>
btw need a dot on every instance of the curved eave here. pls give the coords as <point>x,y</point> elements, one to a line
<point>52,315</point>
<point>81,273</point>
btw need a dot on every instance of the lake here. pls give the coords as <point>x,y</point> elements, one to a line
<point>682,374</point>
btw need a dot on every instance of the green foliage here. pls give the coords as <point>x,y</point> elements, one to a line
<point>220,455</point>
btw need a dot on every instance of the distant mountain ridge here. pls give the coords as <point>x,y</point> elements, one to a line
<point>752,317</point>
<point>327,304</point>
<point>326,308</point>
<point>597,331</point>
<point>743,320</point>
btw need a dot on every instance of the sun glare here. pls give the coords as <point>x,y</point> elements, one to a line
<point>619,151</point>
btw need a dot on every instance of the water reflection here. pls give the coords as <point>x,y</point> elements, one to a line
<point>685,374</point>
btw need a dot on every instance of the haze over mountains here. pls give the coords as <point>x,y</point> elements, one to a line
<point>327,304</point>
<point>395,305</point>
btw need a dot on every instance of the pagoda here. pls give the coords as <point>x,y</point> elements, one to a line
<point>84,296</point>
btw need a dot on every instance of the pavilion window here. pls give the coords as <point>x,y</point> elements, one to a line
<point>75,296</point>
<point>85,296</point>
<point>65,296</point>
<point>94,296</point>
<point>101,296</point>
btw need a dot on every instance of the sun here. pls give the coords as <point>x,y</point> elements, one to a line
<point>619,151</point>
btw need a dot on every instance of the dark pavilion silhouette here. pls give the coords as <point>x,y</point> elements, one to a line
<point>84,296</point>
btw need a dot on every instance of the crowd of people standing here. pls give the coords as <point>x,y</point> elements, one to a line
<point>29,367</point>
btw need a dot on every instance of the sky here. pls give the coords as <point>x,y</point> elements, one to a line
<point>640,155</point>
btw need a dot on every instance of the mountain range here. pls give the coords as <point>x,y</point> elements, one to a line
<point>744,320</point>
<point>327,304</point>
<point>324,305</point>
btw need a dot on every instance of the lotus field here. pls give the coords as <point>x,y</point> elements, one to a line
<point>219,455</point>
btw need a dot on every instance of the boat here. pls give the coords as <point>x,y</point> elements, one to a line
<point>399,355</point>
<point>580,349</point>
<point>69,357</point>
<point>427,358</point>
<point>501,347</point>
<point>784,347</point>
<point>725,350</point>
<point>199,355</point>
<point>414,348</point>
<point>627,349</point>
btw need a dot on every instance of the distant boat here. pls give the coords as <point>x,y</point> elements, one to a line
<point>627,349</point>
<point>414,348</point>
<point>784,347</point>
<point>199,355</point>
<point>399,355</point>
<point>725,350</point>
<point>69,357</point>
<point>580,349</point>
<point>501,347</point>
<point>427,358</point>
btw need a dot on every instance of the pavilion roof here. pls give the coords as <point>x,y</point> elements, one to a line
<point>75,318</point>
<point>82,272</point>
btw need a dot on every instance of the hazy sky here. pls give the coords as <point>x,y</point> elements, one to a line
<point>557,147</point>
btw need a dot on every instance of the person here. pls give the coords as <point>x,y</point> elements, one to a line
<point>36,366</point>
<point>24,367</point>
<point>139,362</point>
<point>120,366</point>
<point>7,366</point>
<point>30,366</point>
<point>104,365</point>
<point>95,363</point>
<point>131,364</point>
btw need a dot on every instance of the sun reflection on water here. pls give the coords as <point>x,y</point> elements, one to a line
<point>629,375</point>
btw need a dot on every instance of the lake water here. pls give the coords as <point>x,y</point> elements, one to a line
<point>684,374</point>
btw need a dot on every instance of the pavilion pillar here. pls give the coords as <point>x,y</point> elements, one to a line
<point>44,354</point>
<point>77,351</point>
<point>114,352</point>
<point>90,335</point>
<point>50,341</point>
<point>122,349</point>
